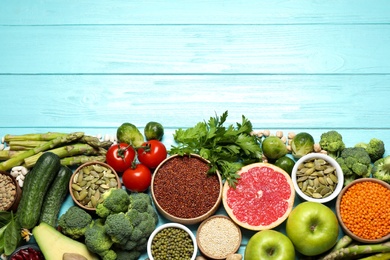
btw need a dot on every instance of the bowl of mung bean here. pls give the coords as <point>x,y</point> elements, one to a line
<point>89,181</point>
<point>172,241</point>
<point>363,210</point>
<point>183,191</point>
<point>218,237</point>
<point>10,192</point>
<point>317,177</point>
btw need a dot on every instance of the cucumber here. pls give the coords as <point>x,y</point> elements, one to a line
<point>55,196</point>
<point>35,186</point>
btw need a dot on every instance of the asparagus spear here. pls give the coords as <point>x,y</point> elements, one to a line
<point>18,160</point>
<point>358,250</point>
<point>17,145</point>
<point>37,137</point>
<point>64,151</point>
<point>95,142</point>
<point>7,154</point>
<point>379,256</point>
<point>343,242</point>
<point>76,160</point>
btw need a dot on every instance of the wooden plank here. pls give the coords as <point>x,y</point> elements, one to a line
<point>269,101</point>
<point>283,49</point>
<point>192,12</point>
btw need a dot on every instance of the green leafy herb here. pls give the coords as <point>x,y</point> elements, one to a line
<point>5,217</point>
<point>227,148</point>
<point>10,236</point>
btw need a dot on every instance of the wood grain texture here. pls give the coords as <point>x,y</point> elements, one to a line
<point>57,12</point>
<point>196,49</point>
<point>289,101</point>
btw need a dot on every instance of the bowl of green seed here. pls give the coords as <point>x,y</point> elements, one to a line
<point>317,177</point>
<point>172,241</point>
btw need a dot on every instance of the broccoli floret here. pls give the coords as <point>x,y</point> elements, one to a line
<point>127,255</point>
<point>332,142</point>
<point>375,148</point>
<point>355,161</point>
<point>115,200</point>
<point>118,227</point>
<point>139,201</point>
<point>130,231</point>
<point>74,222</point>
<point>123,227</point>
<point>381,169</point>
<point>97,240</point>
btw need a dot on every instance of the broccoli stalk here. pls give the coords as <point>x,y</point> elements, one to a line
<point>375,148</point>
<point>74,222</point>
<point>381,169</point>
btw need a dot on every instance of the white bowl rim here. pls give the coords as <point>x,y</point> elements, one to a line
<point>169,225</point>
<point>331,161</point>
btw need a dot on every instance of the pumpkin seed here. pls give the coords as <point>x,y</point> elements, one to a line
<point>90,182</point>
<point>316,178</point>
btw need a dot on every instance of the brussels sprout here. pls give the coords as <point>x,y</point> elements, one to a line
<point>302,144</point>
<point>130,134</point>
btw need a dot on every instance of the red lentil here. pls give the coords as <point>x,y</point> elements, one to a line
<point>365,210</point>
<point>183,188</point>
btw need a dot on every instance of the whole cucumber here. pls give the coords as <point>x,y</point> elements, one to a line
<point>55,196</point>
<point>35,187</point>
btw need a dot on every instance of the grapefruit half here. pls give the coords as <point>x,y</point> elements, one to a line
<point>262,199</point>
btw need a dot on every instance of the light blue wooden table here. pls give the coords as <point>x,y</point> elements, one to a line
<point>286,65</point>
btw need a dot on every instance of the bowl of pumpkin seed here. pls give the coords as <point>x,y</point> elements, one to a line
<point>317,177</point>
<point>89,181</point>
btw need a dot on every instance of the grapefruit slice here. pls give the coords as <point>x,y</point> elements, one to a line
<point>262,199</point>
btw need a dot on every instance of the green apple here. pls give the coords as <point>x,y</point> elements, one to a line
<point>313,228</point>
<point>269,245</point>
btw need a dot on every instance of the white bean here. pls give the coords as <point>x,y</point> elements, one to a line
<point>24,170</point>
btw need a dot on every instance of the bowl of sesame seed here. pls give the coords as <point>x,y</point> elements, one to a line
<point>218,236</point>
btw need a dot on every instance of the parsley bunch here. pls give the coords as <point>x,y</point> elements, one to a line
<point>227,148</point>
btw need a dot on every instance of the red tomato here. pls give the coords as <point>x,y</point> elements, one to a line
<point>120,156</point>
<point>152,153</point>
<point>137,179</point>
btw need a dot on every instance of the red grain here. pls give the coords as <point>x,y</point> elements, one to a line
<point>183,188</point>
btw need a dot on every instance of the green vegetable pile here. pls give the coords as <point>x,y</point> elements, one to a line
<point>363,160</point>
<point>121,230</point>
<point>227,148</point>
<point>72,148</point>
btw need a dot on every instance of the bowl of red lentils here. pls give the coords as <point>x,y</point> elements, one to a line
<point>183,191</point>
<point>10,192</point>
<point>363,210</point>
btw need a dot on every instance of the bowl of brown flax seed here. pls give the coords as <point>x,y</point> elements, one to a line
<point>183,191</point>
<point>218,236</point>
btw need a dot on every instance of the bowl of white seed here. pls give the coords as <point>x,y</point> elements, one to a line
<point>317,177</point>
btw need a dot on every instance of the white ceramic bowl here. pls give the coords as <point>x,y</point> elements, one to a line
<point>333,163</point>
<point>171,225</point>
